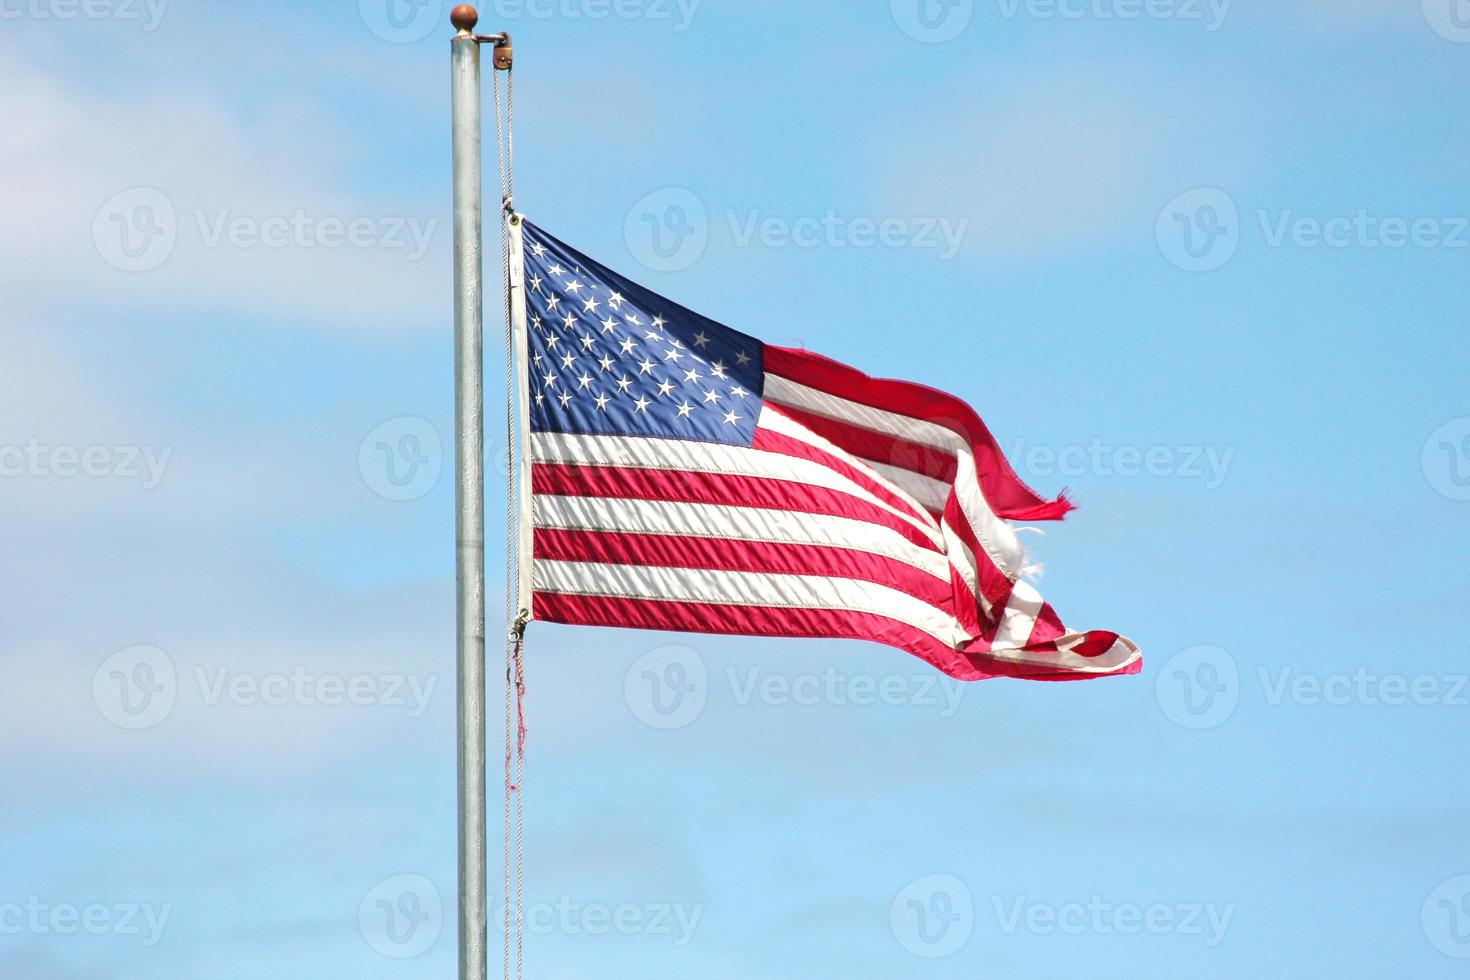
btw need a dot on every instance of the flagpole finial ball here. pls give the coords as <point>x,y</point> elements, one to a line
<point>464,17</point>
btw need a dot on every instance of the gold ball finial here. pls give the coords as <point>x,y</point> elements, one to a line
<point>464,17</point>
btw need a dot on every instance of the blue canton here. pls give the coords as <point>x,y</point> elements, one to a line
<point>608,357</point>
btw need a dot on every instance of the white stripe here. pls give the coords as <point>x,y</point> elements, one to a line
<point>995,535</point>
<point>785,425</point>
<point>955,549</point>
<point>926,491</point>
<point>963,561</point>
<point>748,589</point>
<point>1122,653</point>
<point>788,392</point>
<point>705,457</point>
<point>778,590</point>
<point>1025,603</point>
<point>756,524</point>
<point>1019,618</point>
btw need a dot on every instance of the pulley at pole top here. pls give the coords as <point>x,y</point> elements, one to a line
<point>464,17</point>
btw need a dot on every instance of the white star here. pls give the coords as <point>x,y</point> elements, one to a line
<point>587,343</point>
<point>569,321</point>
<point>605,363</point>
<point>624,384</point>
<point>535,283</point>
<point>719,369</point>
<point>738,391</point>
<point>551,302</point>
<point>615,300</point>
<point>692,375</point>
<point>584,380</point>
<point>557,270</point>
<point>602,401</point>
<point>537,249</point>
<point>537,359</point>
<point>609,325</point>
<point>633,320</point>
<point>665,387</point>
<point>539,399</point>
<point>712,396</point>
<point>673,355</point>
<point>658,322</point>
<point>731,418</point>
<point>573,286</point>
<point>652,335</point>
<point>627,345</point>
<point>685,409</point>
<point>742,358</point>
<point>590,304</point>
<point>551,341</point>
<point>536,321</point>
<point>700,340</point>
<point>645,366</point>
<point>564,397</point>
<point>550,380</point>
<point>641,404</point>
<point>675,342</point>
<point>566,360</point>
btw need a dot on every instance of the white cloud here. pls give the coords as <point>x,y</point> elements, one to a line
<point>236,183</point>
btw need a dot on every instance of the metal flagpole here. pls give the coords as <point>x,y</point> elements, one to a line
<point>469,442</point>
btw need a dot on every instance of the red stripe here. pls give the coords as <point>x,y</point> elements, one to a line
<point>869,444</point>
<point>771,441</point>
<point>995,586</point>
<point>683,486</point>
<point>1048,625</point>
<point>1008,496</point>
<point>700,617</point>
<point>680,551</point>
<point>967,608</point>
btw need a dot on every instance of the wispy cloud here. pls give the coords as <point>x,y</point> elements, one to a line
<point>203,206</point>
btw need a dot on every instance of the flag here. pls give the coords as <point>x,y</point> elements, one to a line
<point>686,476</point>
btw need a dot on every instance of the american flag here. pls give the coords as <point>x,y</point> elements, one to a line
<point>686,476</point>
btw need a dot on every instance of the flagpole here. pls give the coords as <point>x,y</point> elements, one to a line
<point>469,442</point>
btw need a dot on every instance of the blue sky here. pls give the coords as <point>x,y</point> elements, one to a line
<point>1206,268</point>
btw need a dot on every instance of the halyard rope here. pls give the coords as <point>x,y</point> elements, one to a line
<point>513,890</point>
